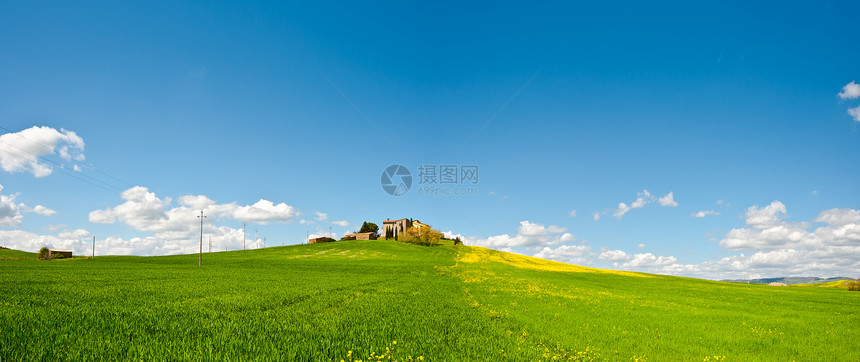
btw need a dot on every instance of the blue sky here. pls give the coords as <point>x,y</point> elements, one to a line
<point>741,111</point>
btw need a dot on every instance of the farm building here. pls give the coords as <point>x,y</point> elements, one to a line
<point>59,253</point>
<point>321,239</point>
<point>396,226</point>
<point>365,236</point>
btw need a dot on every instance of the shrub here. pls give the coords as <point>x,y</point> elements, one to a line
<point>854,286</point>
<point>422,235</point>
<point>457,241</point>
<point>43,253</point>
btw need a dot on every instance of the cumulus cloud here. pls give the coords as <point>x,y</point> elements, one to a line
<point>20,151</point>
<point>572,213</point>
<point>703,213</point>
<point>613,255</point>
<point>80,242</point>
<point>264,211</point>
<point>596,216</point>
<point>341,223</point>
<point>528,235</point>
<point>768,230</point>
<point>145,211</point>
<point>321,216</point>
<point>573,254</point>
<point>41,210</point>
<point>855,113</point>
<point>642,198</point>
<point>641,246</point>
<point>850,91</point>
<point>828,245</point>
<point>648,260</point>
<point>668,200</point>
<point>10,213</point>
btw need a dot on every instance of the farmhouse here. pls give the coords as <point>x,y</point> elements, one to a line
<point>397,226</point>
<point>59,253</point>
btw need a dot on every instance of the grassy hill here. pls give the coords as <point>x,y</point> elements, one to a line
<point>11,254</point>
<point>371,300</point>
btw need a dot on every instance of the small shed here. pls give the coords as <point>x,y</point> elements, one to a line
<point>365,236</point>
<point>59,253</point>
<point>322,239</point>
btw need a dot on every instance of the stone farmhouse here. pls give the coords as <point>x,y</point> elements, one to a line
<point>397,226</point>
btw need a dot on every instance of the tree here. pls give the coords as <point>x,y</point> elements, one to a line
<point>43,253</point>
<point>369,227</point>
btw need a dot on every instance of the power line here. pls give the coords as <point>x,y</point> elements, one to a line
<point>60,167</point>
<point>72,160</point>
<point>64,171</point>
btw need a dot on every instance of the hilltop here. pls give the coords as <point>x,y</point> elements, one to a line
<point>359,300</point>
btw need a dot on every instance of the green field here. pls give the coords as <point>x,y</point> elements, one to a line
<point>10,254</point>
<point>372,300</point>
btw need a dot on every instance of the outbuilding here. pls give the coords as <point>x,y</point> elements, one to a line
<point>59,253</point>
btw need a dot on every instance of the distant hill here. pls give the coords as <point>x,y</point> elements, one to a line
<point>788,280</point>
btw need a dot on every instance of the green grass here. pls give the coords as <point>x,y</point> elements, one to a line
<point>321,301</point>
<point>11,254</point>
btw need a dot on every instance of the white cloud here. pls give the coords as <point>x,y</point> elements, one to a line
<point>572,213</point>
<point>573,254</point>
<point>855,113</point>
<point>528,234</point>
<point>264,211</point>
<point>703,213</point>
<point>144,211</point>
<point>80,242</point>
<point>10,213</point>
<point>613,255</point>
<point>850,91</point>
<point>596,216</point>
<point>27,241</point>
<point>55,227</point>
<point>198,202</point>
<point>648,260</point>
<point>20,151</point>
<point>783,248</point>
<point>341,223</point>
<point>642,198</point>
<point>41,210</point>
<point>321,216</point>
<point>641,246</point>
<point>668,200</point>
<point>720,202</point>
<point>102,217</point>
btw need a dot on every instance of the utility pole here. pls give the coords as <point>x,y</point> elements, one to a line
<point>243,236</point>
<point>307,236</point>
<point>210,243</point>
<point>94,246</point>
<point>329,231</point>
<point>200,259</point>
<point>264,242</point>
<point>255,239</point>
